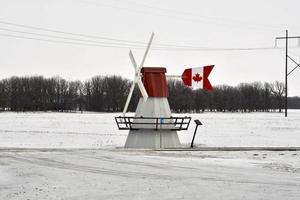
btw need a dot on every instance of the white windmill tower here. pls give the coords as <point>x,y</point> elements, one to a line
<point>152,125</point>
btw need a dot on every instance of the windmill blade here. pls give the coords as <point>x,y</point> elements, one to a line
<point>142,88</point>
<point>132,60</point>
<point>138,77</point>
<point>128,98</point>
<point>147,50</point>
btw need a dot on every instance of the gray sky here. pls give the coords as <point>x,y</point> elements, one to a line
<point>208,25</point>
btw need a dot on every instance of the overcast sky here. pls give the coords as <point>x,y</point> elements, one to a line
<point>220,31</point>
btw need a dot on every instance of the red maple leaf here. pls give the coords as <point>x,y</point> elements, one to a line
<point>197,77</point>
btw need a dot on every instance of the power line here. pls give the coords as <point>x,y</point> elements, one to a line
<point>134,43</point>
<point>63,42</point>
<point>92,36</point>
<point>201,19</point>
<point>68,33</point>
<point>117,43</point>
<point>219,49</point>
<point>127,47</point>
<point>180,48</point>
<point>121,42</point>
<point>216,19</point>
<point>68,38</point>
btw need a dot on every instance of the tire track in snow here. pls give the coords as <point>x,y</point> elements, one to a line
<point>47,162</point>
<point>221,174</point>
<point>59,133</point>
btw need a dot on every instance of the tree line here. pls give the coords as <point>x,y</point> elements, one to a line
<point>109,94</point>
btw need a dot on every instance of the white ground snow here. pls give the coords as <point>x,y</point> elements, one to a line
<point>106,172</point>
<point>119,174</point>
<point>98,130</point>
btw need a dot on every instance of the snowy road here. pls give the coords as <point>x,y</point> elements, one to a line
<point>123,174</point>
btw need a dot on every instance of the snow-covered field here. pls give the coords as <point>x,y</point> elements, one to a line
<point>99,170</point>
<point>96,130</point>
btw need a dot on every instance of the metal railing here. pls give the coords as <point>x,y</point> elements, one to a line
<point>153,123</point>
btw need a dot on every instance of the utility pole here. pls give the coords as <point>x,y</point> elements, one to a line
<point>286,69</point>
<point>286,38</point>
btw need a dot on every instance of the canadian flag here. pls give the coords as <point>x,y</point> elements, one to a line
<point>197,77</point>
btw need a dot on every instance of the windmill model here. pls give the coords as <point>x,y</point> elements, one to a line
<point>153,126</point>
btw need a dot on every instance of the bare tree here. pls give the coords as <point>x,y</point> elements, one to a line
<point>109,93</point>
<point>277,89</point>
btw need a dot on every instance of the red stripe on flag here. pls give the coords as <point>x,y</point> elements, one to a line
<point>206,72</point>
<point>187,77</point>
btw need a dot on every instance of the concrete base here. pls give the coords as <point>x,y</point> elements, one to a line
<point>149,138</point>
